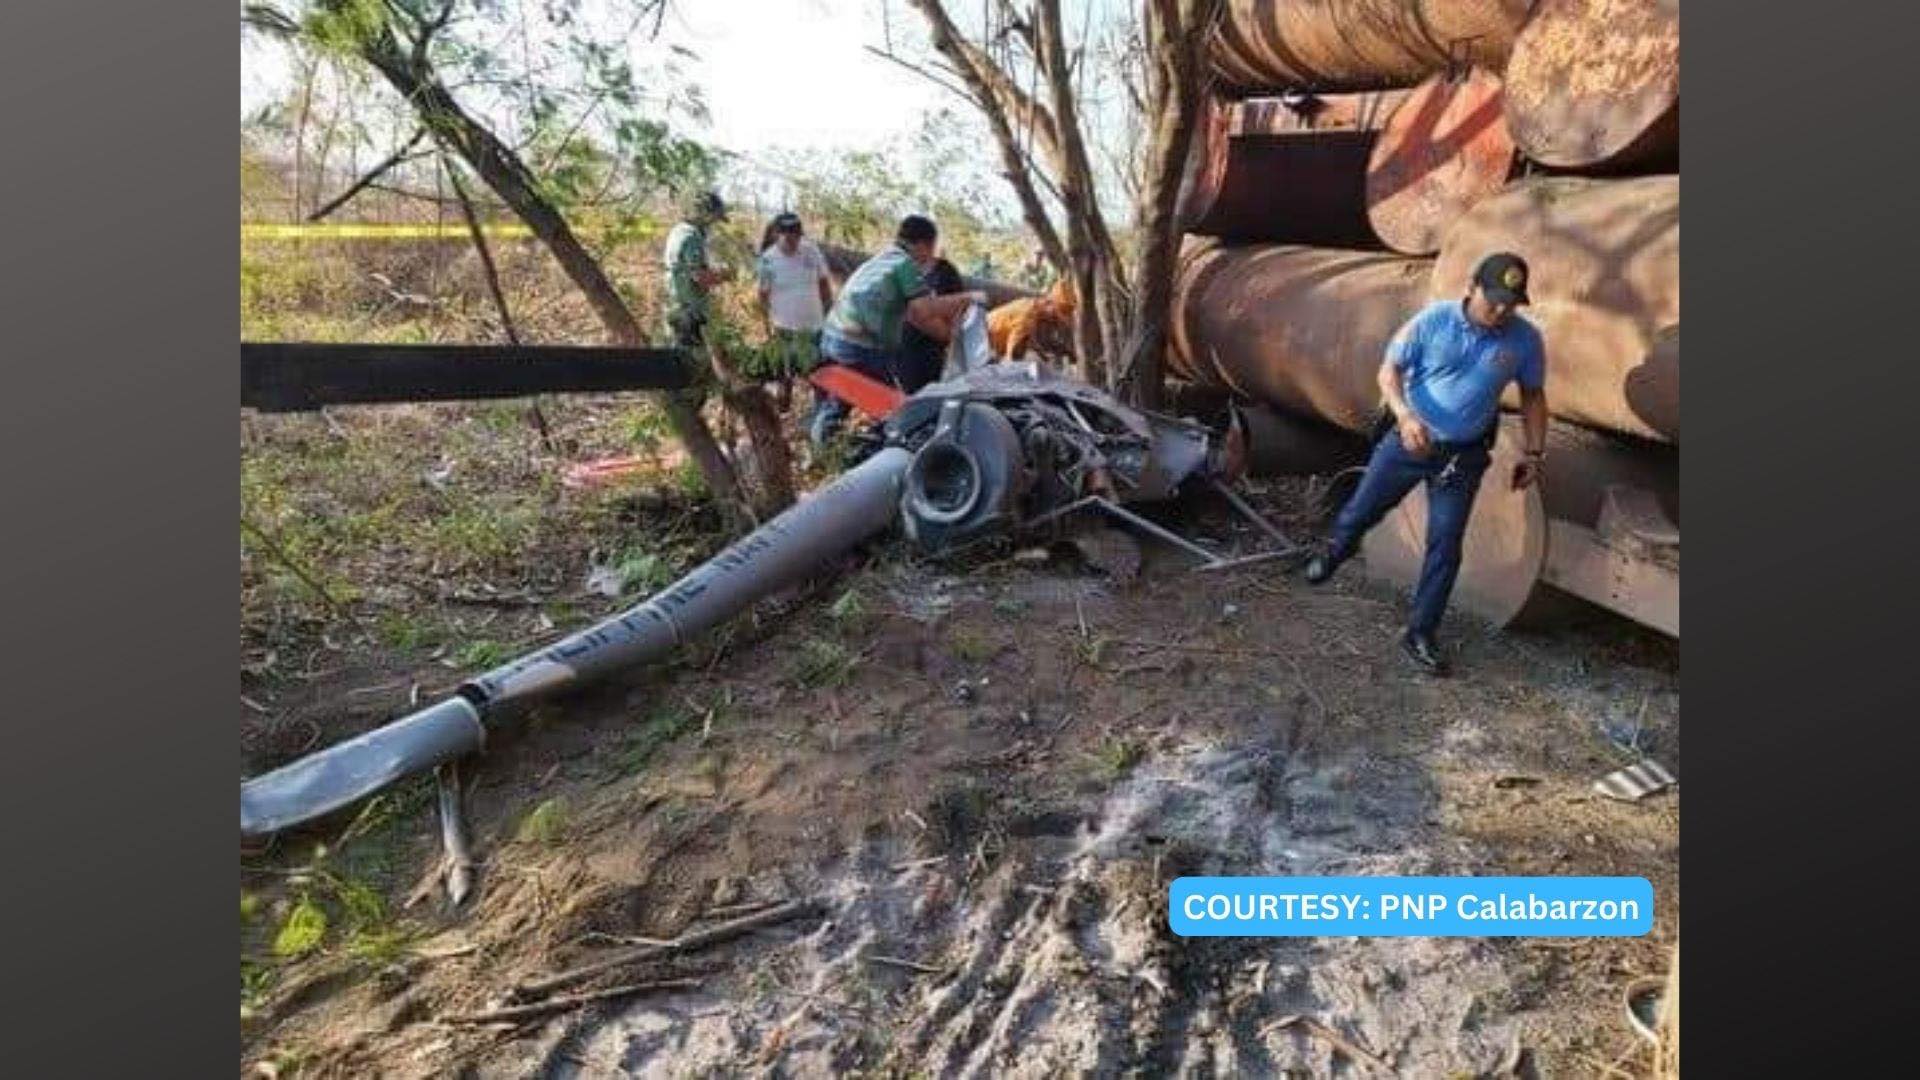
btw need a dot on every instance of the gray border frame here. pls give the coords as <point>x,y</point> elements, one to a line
<point>1801,677</point>
<point>120,566</point>
<point>121,312</point>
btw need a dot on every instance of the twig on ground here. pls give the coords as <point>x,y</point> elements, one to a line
<point>699,939</point>
<point>598,937</point>
<point>280,556</point>
<point>901,868</point>
<point>1299,675</point>
<point>1326,1031</point>
<point>517,1013</point>
<point>381,689</point>
<point>734,911</point>
<point>911,965</point>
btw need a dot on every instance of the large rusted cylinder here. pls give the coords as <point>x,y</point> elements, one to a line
<point>1519,542</point>
<point>1273,171</point>
<point>1288,444</point>
<point>1301,328</point>
<point>1444,149</point>
<point>1344,45</point>
<point>1305,187</point>
<point>1594,85</point>
<point>1582,462</point>
<point>1605,259</point>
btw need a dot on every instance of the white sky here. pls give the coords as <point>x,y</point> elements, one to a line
<point>777,74</point>
<point>793,73</point>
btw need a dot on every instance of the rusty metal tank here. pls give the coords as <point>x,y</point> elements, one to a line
<point>1347,45</point>
<point>1268,170</point>
<point>1444,148</point>
<point>1565,533</point>
<point>1300,328</point>
<point>1605,260</point>
<point>1594,85</point>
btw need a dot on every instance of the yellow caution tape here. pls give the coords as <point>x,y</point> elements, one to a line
<point>350,231</point>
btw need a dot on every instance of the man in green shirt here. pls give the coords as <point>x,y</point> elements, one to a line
<point>881,296</point>
<point>690,277</point>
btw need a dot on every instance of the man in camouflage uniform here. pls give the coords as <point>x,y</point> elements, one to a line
<point>690,277</point>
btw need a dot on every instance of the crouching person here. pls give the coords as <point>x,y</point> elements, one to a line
<point>883,295</point>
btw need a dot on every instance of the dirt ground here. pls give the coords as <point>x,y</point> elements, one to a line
<point>984,777</point>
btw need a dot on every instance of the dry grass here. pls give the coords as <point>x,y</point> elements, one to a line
<point>1667,1055</point>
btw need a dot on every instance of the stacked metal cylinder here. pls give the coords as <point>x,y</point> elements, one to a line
<point>1360,156</point>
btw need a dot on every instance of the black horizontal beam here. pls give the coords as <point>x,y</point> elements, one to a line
<point>296,376</point>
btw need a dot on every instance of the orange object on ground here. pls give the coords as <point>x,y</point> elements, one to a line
<point>595,473</point>
<point>869,395</point>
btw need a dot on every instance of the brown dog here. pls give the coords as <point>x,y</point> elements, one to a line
<point>1012,327</point>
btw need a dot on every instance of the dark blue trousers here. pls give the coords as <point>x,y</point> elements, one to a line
<point>1452,473</point>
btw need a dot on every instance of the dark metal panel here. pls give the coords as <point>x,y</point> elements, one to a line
<point>296,376</point>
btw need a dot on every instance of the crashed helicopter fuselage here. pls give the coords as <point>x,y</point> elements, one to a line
<point>996,451</point>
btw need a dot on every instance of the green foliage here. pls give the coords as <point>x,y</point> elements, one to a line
<point>646,428</point>
<point>972,648</point>
<point>378,947</point>
<point>823,663</point>
<point>303,930</point>
<point>256,983</point>
<point>691,484</point>
<point>657,730</point>
<point>483,533</point>
<point>344,27</point>
<point>408,633</point>
<point>544,823</point>
<point>1118,754</point>
<point>482,653</point>
<point>640,570</point>
<point>850,609</point>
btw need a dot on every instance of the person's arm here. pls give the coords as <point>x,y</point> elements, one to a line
<point>763,279</point>
<point>708,275</point>
<point>930,314</point>
<point>825,280</point>
<point>1403,352</point>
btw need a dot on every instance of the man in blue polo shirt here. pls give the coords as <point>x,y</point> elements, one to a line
<point>1444,373</point>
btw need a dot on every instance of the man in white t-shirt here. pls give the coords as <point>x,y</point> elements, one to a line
<point>796,291</point>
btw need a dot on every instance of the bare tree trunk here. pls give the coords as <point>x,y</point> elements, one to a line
<point>300,133</point>
<point>534,414</point>
<point>992,93</point>
<point>1176,34</point>
<point>503,171</point>
<point>755,408</point>
<point>1101,313</point>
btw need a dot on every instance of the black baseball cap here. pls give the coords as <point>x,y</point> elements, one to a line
<point>709,203</point>
<point>787,221</point>
<point>916,229</point>
<point>1504,276</point>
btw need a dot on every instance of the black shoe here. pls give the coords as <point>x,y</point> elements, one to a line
<point>1424,652</point>
<point>1319,569</point>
